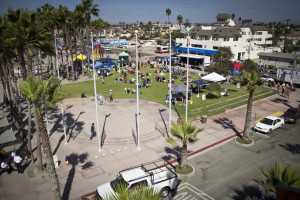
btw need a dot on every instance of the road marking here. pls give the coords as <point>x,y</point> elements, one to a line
<point>277,114</point>
<point>190,192</point>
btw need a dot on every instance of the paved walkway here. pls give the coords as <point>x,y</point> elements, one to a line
<point>90,167</point>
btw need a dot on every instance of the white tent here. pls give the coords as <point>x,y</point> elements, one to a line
<point>213,77</point>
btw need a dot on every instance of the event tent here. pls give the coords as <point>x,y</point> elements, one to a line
<point>213,77</point>
<point>109,64</point>
<point>179,88</point>
<point>78,58</point>
<point>107,59</point>
<point>199,83</point>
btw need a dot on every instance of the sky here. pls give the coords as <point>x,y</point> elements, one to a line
<point>197,11</point>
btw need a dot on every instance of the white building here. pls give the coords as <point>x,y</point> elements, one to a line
<point>245,41</point>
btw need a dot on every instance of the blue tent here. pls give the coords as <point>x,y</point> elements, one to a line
<point>97,65</point>
<point>199,82</point>
<point>168,57</point>
<point>234,72</point>
<point>110,64</point>
<point>179,88</point>
<point>107,59</point>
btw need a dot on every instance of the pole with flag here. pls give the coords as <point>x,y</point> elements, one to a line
<point>96,99</point>
<point>137,92</point>
<point>58,45</point>
<point>170,86</point>
<point>187,78</point>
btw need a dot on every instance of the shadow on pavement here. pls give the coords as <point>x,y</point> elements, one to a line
<point>103,135</point>
<point>250,192</point>
<point>293,148</point>
<point>163,120</point>
<point>74,159</point>
<point>227,124</point>
<point>79,126</point>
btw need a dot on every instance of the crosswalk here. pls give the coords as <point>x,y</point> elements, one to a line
<point>186,191</point>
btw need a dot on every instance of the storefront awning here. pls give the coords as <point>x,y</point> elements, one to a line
<point>194,50</point>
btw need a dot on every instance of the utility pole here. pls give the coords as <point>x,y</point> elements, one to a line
<point>287,25</point>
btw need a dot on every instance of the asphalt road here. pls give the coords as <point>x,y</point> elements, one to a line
<point>227,172</point>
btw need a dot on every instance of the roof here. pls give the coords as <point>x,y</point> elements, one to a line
<point>278,55</point>
<point>223,15</point>
<point>133,174</point>
<point>224,31</point>
<point>192,56</point>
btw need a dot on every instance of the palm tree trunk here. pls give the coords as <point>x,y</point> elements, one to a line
<point>49,159</point>
<point>29,128</point>
<point>38,145</point>
<point>248,114</point>
<point>184,163</point>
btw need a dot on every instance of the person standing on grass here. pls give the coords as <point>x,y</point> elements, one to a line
<point>93,132</point>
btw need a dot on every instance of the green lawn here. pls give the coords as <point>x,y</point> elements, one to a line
<point>158,91</point>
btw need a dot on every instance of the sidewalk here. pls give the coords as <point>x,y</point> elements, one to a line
<point>90,168</point>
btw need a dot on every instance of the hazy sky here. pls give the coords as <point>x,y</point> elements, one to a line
<point>197,11</point>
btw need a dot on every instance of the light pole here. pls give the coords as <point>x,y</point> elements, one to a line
<point>137,92</point>
<point>170,86</point>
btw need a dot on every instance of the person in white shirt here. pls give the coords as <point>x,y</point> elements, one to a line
<point>18,162</point>
<point>5,167</point>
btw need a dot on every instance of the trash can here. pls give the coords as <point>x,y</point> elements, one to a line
<point>204,119</point>
<point>238,85</point>
<point>203,97</point>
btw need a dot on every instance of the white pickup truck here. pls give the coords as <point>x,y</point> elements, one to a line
<point>163,179</point>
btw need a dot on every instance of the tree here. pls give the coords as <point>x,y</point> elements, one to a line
<point>248,66</point>
<point>47,92</point>
<point>214,88</point>
<point>279,174</point>
<point>251,80</point>
<point>232,16</point>
<point>186,133</point>
<point>222,60</point>
<point>179,19</point>
<point>168,13</point>
<point>187,23</point>
<point>240,19</point>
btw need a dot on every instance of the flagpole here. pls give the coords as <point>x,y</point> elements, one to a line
<point>137,92</point>
<point>187,79</point>
<point>61,102</point>
<point>170,88</point>
<point>95,90</point>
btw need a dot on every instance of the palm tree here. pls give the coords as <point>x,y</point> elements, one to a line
<point>39,92</point>
<point>240,19</point>
<point>179,19</point>
<point>251,80</point>
<point>142,192</point>
<point>168,13</point>
<point>186,133</point>
<point>279,174</point>
<point>232,16</point>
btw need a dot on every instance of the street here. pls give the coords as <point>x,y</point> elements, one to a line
<point>227,172</point>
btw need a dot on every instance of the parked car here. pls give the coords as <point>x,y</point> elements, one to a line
<point>162,179</point>
<point>107,48</point>
<point>268,124</point>
<point>291,115</point>
<point>273,71</point>
<point>267,78</point>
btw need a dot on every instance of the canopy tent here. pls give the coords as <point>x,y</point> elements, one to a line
<point>123,54</point>
<point>104,68</point>
<point>199,83</point>
<point>97,65</point>
<point>109,64</point>
<point>168,57</point>
<point>80,56</point>
<point>179,88</point>
<point>107,59</point>
<point>234,72</point>
<point>237,65</point>
<point>213,77</point>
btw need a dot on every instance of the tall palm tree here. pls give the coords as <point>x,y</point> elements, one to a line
<point>279,174</point>
<point>232,16</point>
<point>186,133</point>
<point>179,19</point>
<point>251,80</point>
<point>168,13</point>
<point>39,92</point>
<point>240,19</point>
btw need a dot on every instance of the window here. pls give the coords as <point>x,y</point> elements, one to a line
<point>197,45</point>
<point>139,184</point>
<point>235,38</point>
<point>215,38</point>
<point>243,33</point>
<point>226,39</point>
<point>215,47</point>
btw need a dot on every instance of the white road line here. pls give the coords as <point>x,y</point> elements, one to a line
<point>187,196</point>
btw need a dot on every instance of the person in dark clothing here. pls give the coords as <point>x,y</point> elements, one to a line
<point>93,132</point>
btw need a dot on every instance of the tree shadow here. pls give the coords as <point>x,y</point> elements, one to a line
<point>79,127</point>
<point>228,124</point>
<point>163,120</point>
<point>174,154</point>
<point>250,192</point>
<point>283,101</point>
<point>293,148</point>
<point>58,144</point>
<point>178,114</point>
<point>58,117</point>
<point>74,159</point>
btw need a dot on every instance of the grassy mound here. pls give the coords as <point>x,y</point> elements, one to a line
<point>186,171</point>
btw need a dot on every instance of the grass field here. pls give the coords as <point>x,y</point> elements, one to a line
<point>158,91</point>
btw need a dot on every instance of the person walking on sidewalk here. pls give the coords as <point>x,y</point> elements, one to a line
<point>18,162</point>
<point>93,132</point>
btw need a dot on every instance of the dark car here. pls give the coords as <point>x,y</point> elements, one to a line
<point>291,115</point>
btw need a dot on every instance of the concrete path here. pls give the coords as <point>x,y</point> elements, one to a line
<point>90,167</point>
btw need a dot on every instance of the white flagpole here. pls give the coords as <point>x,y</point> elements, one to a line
<point>170,87</point>
<point>137,92</point>
<point>95,90</point>
<point>187,78</point>
<point>61,102</point>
